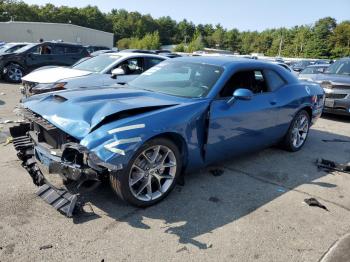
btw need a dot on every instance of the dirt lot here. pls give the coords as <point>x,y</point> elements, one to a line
<point>252,212</point>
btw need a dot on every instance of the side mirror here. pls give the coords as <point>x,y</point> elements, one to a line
<point>117,72</point>
<point>241,94</point>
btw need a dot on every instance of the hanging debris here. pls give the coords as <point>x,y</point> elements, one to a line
<point>333,166</point>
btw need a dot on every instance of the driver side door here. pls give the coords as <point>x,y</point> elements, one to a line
<point>35,58</point>
<point>244,125</point>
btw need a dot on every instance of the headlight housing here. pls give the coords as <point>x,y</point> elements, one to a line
<point>326,85</point>
<point>52,86</point>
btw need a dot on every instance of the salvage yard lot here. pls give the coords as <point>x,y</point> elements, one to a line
<point>254,211</point>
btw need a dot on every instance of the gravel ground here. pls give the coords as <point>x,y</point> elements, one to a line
<point>254,211</point>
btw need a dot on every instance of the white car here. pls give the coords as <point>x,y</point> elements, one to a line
<point>11,47</point>
<point>101,70</point>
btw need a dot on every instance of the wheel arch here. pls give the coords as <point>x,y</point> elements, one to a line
<point>308,110</point>
<point>14,63</point>
<point>179,141</point>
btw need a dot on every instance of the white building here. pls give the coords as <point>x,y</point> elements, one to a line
<point>33,31</point>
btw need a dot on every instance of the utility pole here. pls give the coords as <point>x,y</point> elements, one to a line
<point>280,48</point>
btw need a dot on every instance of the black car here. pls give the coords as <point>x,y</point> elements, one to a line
<point>24,60</point>
<point>94,48</point>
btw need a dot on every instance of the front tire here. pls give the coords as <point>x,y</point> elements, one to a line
<point>297,132</point>
<point>14,73</point>
<point>150,175</point>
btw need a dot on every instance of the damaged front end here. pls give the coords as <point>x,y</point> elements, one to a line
<point>43,147</point>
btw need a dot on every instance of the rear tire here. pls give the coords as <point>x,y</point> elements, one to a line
<point>150,175</point>
<point>14,73</point>
<point>297,132</point>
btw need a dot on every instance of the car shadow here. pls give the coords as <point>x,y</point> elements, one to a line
<point>208,202</point>
<point>340,118</point>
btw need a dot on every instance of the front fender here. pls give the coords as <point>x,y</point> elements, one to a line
<point>115,143</point>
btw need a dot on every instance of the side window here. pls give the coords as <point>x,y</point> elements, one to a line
<point>151,62</point>
<point>72,49</point>
<point>44,49</point>
<point>58,50</point>
<point>251,79</point>
<point>132,66</point>
<point>274,81</point>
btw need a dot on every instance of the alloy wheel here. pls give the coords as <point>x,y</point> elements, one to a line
<point>15,74</point>
<point>300,131</point>
<point>152,173</point>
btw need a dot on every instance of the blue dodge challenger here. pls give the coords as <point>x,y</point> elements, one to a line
<point>180,115</point>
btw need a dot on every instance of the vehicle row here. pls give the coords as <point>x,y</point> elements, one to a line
<point>19,59</point>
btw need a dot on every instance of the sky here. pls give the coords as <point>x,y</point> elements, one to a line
<point>240,14</point>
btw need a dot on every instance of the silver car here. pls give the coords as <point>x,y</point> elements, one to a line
<point>336,84</point>
<point>310,72</point>
<point>101,70</point>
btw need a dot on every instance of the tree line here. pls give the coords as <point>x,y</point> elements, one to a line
<point>324,39</point>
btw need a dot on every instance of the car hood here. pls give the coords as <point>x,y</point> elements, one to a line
<point>52,75</point>
<point>78,112</point>
<point>339,79</point>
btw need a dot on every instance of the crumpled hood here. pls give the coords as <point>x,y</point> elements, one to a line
<point>52,75</point>
<point>76,112</point>
<point>339,79</point>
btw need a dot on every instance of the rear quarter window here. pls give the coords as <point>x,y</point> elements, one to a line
<point>73,49</point>
<point>274,80</point>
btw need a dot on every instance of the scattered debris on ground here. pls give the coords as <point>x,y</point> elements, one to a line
<point>182,249</point>
<point>45,247</point>
<point>8,140</point>
<point>336,140</point>
<point>2,94</point>
<point>332,166</point>
<point>313,202</point>
<point>217,171</point>
<point>281,190</point>
<point>6,121</point>
<point>214,199</point>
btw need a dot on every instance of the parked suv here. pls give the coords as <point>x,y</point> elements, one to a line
<point>24,60</point>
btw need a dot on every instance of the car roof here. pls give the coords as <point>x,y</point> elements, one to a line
<point>220,60</point>
<point>60,43</point>
<point>126,54</point>
<point>318,65</point>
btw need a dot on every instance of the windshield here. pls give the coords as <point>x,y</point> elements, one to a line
<point>302,64</point>
<point>4,48</point>
<point>313,70</point>
<point>177,78</point>
<point>341,67</point>
<point>97,64</point>
<point>25,48</point>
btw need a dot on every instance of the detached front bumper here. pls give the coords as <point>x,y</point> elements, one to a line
<point>36,157</point>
